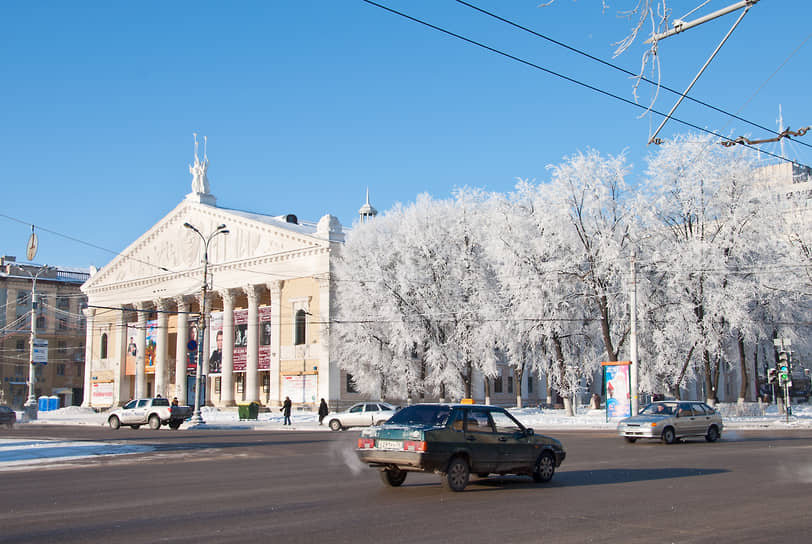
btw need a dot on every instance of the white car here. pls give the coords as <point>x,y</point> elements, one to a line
<point>362,414</point>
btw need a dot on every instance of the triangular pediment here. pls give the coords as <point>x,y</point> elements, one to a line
<point>169,249</point>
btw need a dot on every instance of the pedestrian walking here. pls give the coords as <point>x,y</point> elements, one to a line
<point>323,410</point>
<point>286,410</point>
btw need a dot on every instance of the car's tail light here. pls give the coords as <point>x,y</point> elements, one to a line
<point>412,445</point>
<point>366,443</point>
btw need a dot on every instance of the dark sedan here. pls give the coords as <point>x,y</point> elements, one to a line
<point>455,440</point>
<point>8,417</point>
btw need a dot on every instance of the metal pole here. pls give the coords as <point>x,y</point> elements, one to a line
<point>633,375</point>
<point>197,417</point>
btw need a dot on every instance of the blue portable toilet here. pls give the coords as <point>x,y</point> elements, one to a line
<point>43,404</point>
<point>53,403</point>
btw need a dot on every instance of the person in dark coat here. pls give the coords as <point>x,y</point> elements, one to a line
<point>286,410</point>
<point>323,411</point>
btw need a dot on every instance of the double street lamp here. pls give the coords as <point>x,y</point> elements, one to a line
<point>197,418</point>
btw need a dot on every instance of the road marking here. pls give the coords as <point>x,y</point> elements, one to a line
<point>17,454</point>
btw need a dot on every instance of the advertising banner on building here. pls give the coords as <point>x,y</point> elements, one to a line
<point>617,384</point>
<point>301,388</point>
<point>101,393</point>
<point>240,357</point>
<point>132,348</point>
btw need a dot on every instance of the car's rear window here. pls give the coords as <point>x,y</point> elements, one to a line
<point>421,415</point>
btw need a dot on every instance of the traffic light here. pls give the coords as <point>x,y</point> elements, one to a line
<point>772,375</point>
<point>783,365</point>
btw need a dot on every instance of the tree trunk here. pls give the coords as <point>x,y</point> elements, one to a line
<point>518,374</point>
<point>559,355</point>
<point>605,329</point>
<point>678,383</point>
<point>744,377</point>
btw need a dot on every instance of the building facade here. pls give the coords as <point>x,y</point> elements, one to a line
<point>266,308</point>
<point>60,329</point>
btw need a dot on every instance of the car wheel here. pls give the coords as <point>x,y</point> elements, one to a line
<point>669,437</point>
<point>154,422</point>
<point>114,422</point>
<point>335,425</point>
<point>393,477</point>
<point>713,434</point>
<point>630,439</point>
<point>455,477</point>
<point>545,468</point>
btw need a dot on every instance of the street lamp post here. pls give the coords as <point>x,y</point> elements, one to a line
<point>31,404</point>
<point>197,418</point>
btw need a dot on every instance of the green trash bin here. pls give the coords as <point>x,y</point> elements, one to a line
<point>248,410</point>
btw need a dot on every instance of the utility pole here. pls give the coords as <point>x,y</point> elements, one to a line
<point>30,406</point>
<point>633,338</point>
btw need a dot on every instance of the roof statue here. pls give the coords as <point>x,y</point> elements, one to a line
<point>200,181</point>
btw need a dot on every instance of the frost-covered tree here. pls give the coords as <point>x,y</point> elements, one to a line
<point>704,221</point>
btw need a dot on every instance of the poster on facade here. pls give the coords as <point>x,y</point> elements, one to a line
<point>301,388</point>
<point>101,393</point>
<point>132,348</point>
<point>216,345</point>
<point>616,379</point>
<point>191,354</point>
<point>240,354</point>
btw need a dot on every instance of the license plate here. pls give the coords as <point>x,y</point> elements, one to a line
<point>390,445</point>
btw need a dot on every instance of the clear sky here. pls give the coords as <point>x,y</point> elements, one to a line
<point>307,103</point>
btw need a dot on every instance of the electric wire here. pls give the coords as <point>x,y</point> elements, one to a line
<point>628,72</point>
<point>566,78</point>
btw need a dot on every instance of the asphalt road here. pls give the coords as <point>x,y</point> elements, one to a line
<point>249,486</point>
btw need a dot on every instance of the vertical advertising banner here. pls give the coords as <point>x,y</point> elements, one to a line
<point>264,338</point>
<point>216,344</point>
<point>132,349</point>
<point>617,383</point>
<point>191,354</point>
<point>149,355</point>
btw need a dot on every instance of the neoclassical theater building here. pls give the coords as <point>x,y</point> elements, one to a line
<point>267,305</point>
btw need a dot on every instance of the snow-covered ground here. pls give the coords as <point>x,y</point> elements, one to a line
<point>749,418</point>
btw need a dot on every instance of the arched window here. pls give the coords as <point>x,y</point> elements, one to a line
<point>104,346</point>
<point>301,327</point>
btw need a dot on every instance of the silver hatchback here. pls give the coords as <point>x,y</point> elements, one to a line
<point>671,420</point>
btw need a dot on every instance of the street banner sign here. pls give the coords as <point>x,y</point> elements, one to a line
<point>40,351</point>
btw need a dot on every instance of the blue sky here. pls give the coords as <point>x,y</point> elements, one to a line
<point>307,103</point>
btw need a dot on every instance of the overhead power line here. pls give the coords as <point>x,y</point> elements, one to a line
<point>564,77</point>
<point>620,68</point>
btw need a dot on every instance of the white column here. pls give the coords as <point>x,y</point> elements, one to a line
<point>181,350</point>
<point>329,373</point>
<point>161,347</point>
<point>141,347</point>
<point>275,287</point>
<point>227,379</point>
<point>252,350</point>
<point>121,391</point>
<point>90,314</point>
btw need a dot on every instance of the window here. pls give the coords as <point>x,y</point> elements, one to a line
<point>510,384</point>
<point>60,370</point>
<point>62,324</point>
<point>301,327</point>
<point>529,384</point>
<point>351,388</point>
<point>372,407</point>
<point>62,303</point>
<point>40,322</point>
<point>130,405</point>
<point>20,345</point>
<point>62,346</point>
<point>19,370</point>
<point>240,378</point>
<point>217,385</point>
<point>497,384</point>
<point>103,346</point>
<point>357,409</point>
<point>266,382</point>
<point>504,423</point>
<point>478,421</point>
<point>142,403</point>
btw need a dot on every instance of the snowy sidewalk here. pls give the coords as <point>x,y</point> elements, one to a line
<point>530,417</point>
